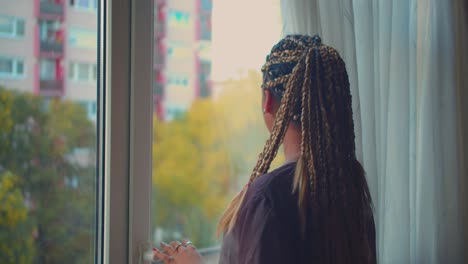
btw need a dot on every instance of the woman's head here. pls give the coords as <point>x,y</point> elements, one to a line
<point>305,83</point>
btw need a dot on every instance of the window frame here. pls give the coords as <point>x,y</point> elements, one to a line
<point>125,129</point>
<point>14,74</point>
<point>14,34</point>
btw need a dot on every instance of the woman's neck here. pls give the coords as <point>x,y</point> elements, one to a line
<point>292,144</point>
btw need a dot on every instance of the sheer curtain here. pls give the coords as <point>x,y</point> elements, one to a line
<point>406,67</point>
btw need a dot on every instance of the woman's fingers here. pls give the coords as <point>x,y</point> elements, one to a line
<point>158,255</point>
<point>177,246</point>
<point>188,243</point>
<point>168,248</point>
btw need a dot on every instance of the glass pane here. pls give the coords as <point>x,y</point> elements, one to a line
<point>20,27</point>
<point>83,3</point>
<point>83,71</point>
<point>47,69</point>
<point>19,67</point>
<point>6,25</point>
<point>47,140</point>
<point>6,66</point>
<point>208,126</point>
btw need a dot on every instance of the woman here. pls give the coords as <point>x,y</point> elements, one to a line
<point>316,208</point>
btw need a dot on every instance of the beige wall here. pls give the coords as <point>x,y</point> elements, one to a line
<point>22,47</point>
<point>83,19</point>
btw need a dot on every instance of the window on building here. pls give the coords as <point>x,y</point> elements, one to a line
<point>84,4</point>
<point>82,72</point>
<point>82,38</point>
<point>11,67</point>
<point>11,26</point>
<point>179,18</point>
<point>48,30</point>
<point>90,107</point>
<point>47,69</point>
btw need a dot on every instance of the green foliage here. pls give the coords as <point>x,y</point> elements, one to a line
<point>38,141</point>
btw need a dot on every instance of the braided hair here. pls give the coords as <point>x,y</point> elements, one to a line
<point>310,81</point>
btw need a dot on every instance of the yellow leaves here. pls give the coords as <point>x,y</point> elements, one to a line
<point>12,209</point>
<point>6,101</point>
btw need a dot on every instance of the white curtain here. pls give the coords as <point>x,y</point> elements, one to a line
<point>402,58</point>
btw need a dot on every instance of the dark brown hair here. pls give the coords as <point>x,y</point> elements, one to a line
<point>311,83</point>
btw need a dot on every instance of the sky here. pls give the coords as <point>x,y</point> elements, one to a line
<point>243,33</point>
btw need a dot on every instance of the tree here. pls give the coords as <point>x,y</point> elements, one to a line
<point>16,241</point>
<point>38,140</point>
<point>203,157</point>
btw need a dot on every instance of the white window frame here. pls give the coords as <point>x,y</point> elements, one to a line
<point>14,34</point>
<point>125,130</point>
<point>14,74</point>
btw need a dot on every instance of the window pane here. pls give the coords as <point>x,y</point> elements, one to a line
<point>6,66</point>
<point>48,159</point>
<point>83,71</point>
<point>71,71</point>
<point>208,127</point>
<point>19,67</point>
<point>47,69</point>
<point>20,27</point>
<point>83,3</point>
<point>6,25</point>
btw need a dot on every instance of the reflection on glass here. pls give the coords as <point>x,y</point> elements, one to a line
<point>47,134</point>
<point>207,131</point>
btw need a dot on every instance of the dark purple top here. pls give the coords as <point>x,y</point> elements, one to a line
<point>267,228</point>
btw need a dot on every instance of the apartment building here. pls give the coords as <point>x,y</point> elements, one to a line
<point>49,48</point>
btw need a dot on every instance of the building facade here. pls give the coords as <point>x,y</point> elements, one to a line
<point>181,55</point>
<point>49,48</point>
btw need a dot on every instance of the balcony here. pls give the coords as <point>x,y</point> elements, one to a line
<point>51,88</point>
<point>51,10</point>
<point>51,49</point>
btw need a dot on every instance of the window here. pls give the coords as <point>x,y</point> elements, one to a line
<point>90,107</point>
<point>84,4</point>
<point>82,38</point>
<point>47,69</point>
<point>82,72</point>
<point>48,30</point>
<point>11,68</point>
<point>179,18</point>
<point>206,139</point>
<point>11,26</point>
<point>178,80</point>
<point>48,191</point>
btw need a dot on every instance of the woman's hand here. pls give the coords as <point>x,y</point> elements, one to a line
<point>178,253</point>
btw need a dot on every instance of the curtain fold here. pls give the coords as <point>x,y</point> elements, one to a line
<point>406,76</point>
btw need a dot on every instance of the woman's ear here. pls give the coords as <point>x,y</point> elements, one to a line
<point>267,101</point>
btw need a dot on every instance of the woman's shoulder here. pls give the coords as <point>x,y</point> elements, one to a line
<point>275,185</point>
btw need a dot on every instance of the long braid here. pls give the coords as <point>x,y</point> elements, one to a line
<point>311,82</point>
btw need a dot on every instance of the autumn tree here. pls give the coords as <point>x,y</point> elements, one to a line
<point>201,158</point>
<point>39,139</point>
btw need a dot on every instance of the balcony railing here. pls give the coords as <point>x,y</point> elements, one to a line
<point>54,88</point>
<point>52,10</point>
<point>53,49</point>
